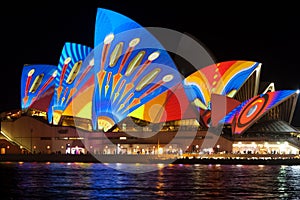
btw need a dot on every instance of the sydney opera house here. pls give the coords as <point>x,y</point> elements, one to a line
<point>126,95</point>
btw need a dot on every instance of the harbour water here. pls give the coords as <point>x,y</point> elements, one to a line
<point>30,180</point>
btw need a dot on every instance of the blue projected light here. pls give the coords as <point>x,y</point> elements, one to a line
<point>69,67</point>
<point>36,80</point>
<point>131,68</point>
<point>108,22</point>
<point>129,73</point>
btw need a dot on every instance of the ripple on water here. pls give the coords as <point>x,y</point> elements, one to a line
<point>95,180</point>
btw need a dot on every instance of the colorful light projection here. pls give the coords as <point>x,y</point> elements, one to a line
<point>224,78</point>
<point>128,71</point>
<point>69,68</point>
<point>108,22</point>
<point>35,81</point>
<point>221,105</point>
<point>252,110</point>
<point>228,119</point>
<point>131,68</point>
<point>168,106</point>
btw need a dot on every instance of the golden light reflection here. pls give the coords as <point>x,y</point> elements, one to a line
<point>160,181</point>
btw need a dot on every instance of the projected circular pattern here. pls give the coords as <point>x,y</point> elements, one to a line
<point>252,110</point>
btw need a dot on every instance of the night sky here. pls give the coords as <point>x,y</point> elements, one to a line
<point>34,33</point>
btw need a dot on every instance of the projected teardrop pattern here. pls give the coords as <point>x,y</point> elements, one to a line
<point>71,58</point>
<point>37,79</point>
<point>45,85</point>
<point>129,75</point>
<point>28,82</point>
<point>70,70</point>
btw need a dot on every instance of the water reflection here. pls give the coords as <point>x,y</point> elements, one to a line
<point>99,181</point>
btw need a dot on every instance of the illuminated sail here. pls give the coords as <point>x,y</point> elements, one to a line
<point>224,78</point>
<point>36,81</point>
<point>131,68</point>
<point>69,68</point>
<point>253,109</point>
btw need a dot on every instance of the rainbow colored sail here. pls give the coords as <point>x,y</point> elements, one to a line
<point>131,68</point>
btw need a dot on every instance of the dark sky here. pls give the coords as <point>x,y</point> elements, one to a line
<point>35,32</point>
